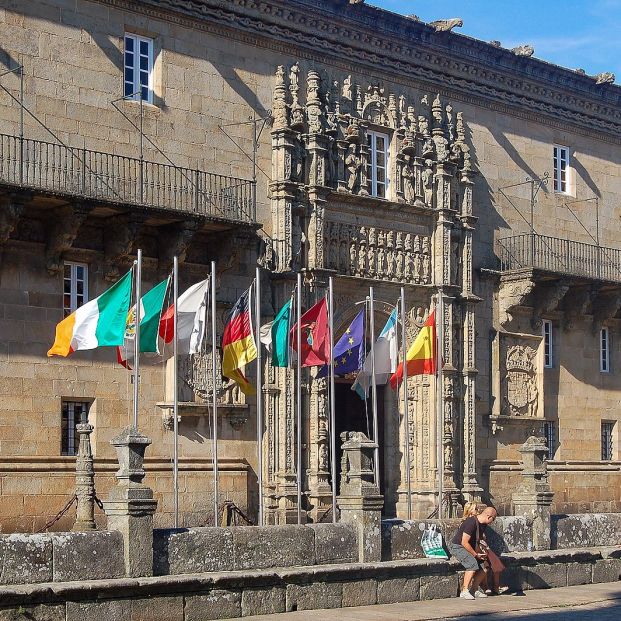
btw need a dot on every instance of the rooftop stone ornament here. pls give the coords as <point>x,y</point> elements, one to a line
<point>525,51</point>
<point>446,25</point>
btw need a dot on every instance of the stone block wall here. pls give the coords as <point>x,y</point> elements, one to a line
<point>61,557</point>
<point>586,530</point>
<point>196,550</point>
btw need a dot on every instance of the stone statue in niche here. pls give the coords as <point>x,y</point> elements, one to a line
<point>455,260</point>
<point>353,253</point>
<point>409,181</point>
<point>428,183</point>
<point>381,254</point>
<point>297,112</point>
<point>426,260</point>
<point>409,259</point>
<point>297,162</point>
<point>362,253</point>
<point>344,249</point>
<point>353,164</point>
<point>418,260</point>
<point>521,395</point>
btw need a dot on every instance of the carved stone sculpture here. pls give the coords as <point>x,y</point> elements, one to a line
<point>67,221</point>
<point>524,50</point>
<point>521,393</point>
<point>446,25</point>
<point>353,164</point>
<point>606,77</point>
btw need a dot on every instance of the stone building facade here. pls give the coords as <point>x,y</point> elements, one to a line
<point>388,153</point>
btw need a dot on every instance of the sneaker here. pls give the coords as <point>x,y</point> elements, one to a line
<point>465,594</point>
<point>502,589</point>
<point>479,593</point>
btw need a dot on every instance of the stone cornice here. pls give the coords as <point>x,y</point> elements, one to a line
<point>409,50</point>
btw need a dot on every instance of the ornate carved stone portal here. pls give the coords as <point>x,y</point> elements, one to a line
<point>329,216</point>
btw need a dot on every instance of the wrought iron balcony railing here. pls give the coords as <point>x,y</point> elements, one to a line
<point>560,256</point>
<point>94,175</point>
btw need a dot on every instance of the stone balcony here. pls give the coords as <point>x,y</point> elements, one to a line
<point>551,274</point>
<point>105,179</point>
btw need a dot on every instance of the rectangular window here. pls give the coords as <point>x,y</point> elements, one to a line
<point>75,287</point>
<point>604,351</point>
<point>138,68</point>
<point>608,429</point>
<point>378,164</point>
<point>550,433</point>
<point>74,412</point>
<point>547,344</point>
<point>561,169</point>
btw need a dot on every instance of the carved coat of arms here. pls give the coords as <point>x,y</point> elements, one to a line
<point>521,393</point>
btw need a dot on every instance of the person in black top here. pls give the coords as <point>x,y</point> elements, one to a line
<point>464,547</point>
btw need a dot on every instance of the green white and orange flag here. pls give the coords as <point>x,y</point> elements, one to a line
<point>238,344</point>
<point>421,357</point>
<point>98,323</point>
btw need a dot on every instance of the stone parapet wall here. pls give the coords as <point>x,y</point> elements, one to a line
<point>197,550</point>
<point>61,557</point>
<point>586,530</point>
<point>251,592</point>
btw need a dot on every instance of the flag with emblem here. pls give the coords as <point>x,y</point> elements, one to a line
<point>315,343</point>
<point>421,357</point>
<point>386,353</point>
<point>348,351</point>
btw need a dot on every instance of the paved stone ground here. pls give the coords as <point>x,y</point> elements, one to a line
<point>593,601</point>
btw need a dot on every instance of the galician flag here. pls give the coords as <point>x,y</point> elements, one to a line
<point>421,357</point>
<point>98,323</point>
<point>386,354</point>
<point>275,336</point>
<point>151,305</point>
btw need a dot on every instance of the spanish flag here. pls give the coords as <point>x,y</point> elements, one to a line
<point>238,345</point>
<point>421,357</point>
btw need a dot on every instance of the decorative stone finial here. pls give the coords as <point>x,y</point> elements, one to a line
<point>495,43</point>
<point>130,446</point>
<point>525,51</point>
<point>446,25</point>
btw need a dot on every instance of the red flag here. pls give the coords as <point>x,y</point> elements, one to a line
<point>315,340</point>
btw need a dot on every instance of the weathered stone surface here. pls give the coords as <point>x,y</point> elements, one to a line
<point>359,593</point>
<point>87,556</point>
<point>105,610</point>
<point>393,590</point>
<point>157,609</point>
<point>285,546</point>
<point>217,604</point>
<point>543,576</point>
<point>586,530</point>
<point>191,551</point>
<point>42,612</point>
<point>401,538</point>
<point>516,579</point>
<point>313,596</point>
<point>438,587</point>
<point>263,601</point>
<point>25,559</point>
<point>509,533</point>
<point>579,573</point>
<point>335,543</point>
<point>607,570</point>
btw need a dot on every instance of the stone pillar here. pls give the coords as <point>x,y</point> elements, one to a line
<point>533,497</point>
<point>84,481</point>
<point>131,505</point>
<point>360,501</point>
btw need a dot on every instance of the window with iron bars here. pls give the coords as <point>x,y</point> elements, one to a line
<point>550,431</point>
<point>73,413</point>
<point>608,430</point>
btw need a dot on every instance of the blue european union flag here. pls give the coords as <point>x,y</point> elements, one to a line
<point>349,350</point>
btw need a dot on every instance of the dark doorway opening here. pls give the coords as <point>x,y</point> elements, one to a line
<point>353,415</point>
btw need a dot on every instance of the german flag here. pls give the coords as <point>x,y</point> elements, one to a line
<point>238,345</point>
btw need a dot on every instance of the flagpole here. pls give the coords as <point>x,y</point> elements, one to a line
<point>374,387</point>
<point>406,412</point>
<point>259,395</point>
<point>440,391</point>
<point>332,402</point>
<point>137,335</point>
<point>214,394</point>
<point>176,390</point>
<point>298,387</point>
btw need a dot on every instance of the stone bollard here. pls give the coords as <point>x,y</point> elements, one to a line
<point>360,500</point>
<point>533,498</point>
<point>84,481</point>
<point>131,505</point>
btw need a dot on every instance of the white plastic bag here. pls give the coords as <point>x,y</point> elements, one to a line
<point>431,542</point>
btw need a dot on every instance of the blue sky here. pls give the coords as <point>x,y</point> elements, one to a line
<point>570,33</point>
